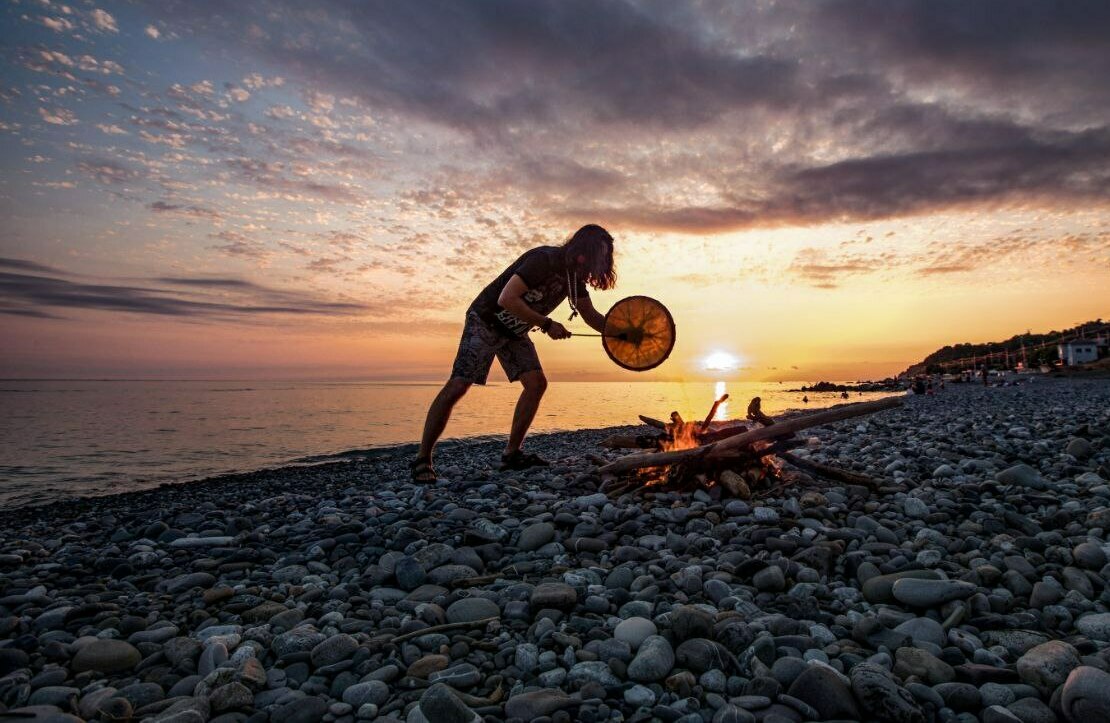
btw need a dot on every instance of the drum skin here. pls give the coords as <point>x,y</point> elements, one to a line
<point>639,333</point>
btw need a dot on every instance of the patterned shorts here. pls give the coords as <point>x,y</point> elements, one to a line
<point>480,344</point>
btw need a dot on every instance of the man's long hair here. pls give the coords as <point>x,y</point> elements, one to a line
<point>596,245</point>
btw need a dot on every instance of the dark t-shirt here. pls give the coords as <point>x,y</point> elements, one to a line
<point>544,272</point>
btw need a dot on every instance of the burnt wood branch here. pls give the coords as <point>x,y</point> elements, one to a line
<point>726,447</point>
<point>716,435</point>
<point>632,441</point>
<point>836,474</point>
<point>712,413</point>
<point>652,422</point>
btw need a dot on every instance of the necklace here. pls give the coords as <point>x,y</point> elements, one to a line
<point>572,294</point>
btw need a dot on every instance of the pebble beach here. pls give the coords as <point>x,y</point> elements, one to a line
<point>972,586</point>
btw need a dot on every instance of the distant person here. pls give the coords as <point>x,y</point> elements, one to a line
<point>756,414</point>
<point>844,394</point>
<point>805,399</point>
<point>497,325</point>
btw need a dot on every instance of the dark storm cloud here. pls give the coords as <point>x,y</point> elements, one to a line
<point>486,66</point>
<point>208,282</point>
<point>22,265</point>
<point>1018,44</point>
<point>1014,167</point>
<point>778,113</point>
<point>36,294</point>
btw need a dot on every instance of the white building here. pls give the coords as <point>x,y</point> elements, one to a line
<point>1078,352</point>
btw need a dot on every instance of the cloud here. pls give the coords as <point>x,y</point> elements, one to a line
<point>57,116</point>
<point>104,21</point>
<point>256,81</point>
<point>823,271</point>
<point>107,171</point>
<point>239,245</point>
<point>59,24</point>
<point>183,210</point>
<point>152,32</point>
<point>42,291</point>
<point>105,67</point>
<point>272,177</point>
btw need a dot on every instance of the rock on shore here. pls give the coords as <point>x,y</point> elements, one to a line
<point>972,588</point>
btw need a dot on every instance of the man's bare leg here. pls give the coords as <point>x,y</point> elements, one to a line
<point>438,414</point>
<point>535,384</point>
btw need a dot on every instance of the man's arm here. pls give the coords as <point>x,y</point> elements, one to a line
<point>512,300</point>
<point>590,315</point>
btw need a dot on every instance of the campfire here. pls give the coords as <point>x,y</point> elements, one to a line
<point>743,460</point>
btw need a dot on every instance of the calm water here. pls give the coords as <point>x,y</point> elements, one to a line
<point>64,438</point>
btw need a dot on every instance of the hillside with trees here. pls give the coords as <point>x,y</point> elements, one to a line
<point>1038,348</point>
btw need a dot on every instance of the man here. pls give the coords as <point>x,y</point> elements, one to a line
<point>498,322</point>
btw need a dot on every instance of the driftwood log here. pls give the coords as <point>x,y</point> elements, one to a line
<point>739,445</point>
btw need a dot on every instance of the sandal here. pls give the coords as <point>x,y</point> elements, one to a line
<point>422,471</point>
<point>522,460</point>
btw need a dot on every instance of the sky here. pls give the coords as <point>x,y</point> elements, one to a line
<point>822,189</point>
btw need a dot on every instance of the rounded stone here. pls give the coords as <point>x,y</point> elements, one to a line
<point>639,696</point>
<point>770,579</point>
<point>1047,666</point>
<point>1089,555</point>
<point>333,650</point>
<point>1095,627</point>
<point>635,631</point>
<point>882,697</point>
<point>106,656</point>
<point>537,704</point>
<point>1086,695</point>
<point>230,697</point>
<point>440,704</point>
<point>472,609</point>
<point>825,690</point>
<point>915,508</point>
<point>301,710</point>
<point>371,691</point>
<point>930,593</point>
<point>1079,448</point>
<point>923,630</point>
<point>653,661</point>
<point>410,573</point>
<point>533,537</point>
<point>553,595</point>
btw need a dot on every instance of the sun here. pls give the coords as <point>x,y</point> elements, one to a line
<point>720,361</point>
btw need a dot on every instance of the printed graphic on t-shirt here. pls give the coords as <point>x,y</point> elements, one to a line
<point>514,323</point>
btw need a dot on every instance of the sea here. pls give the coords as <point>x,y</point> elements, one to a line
<point>62,439</point>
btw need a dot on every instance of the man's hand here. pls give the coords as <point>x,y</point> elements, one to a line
<point>557,331</point>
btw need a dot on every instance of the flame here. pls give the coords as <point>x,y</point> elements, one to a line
<point>683,435</point>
